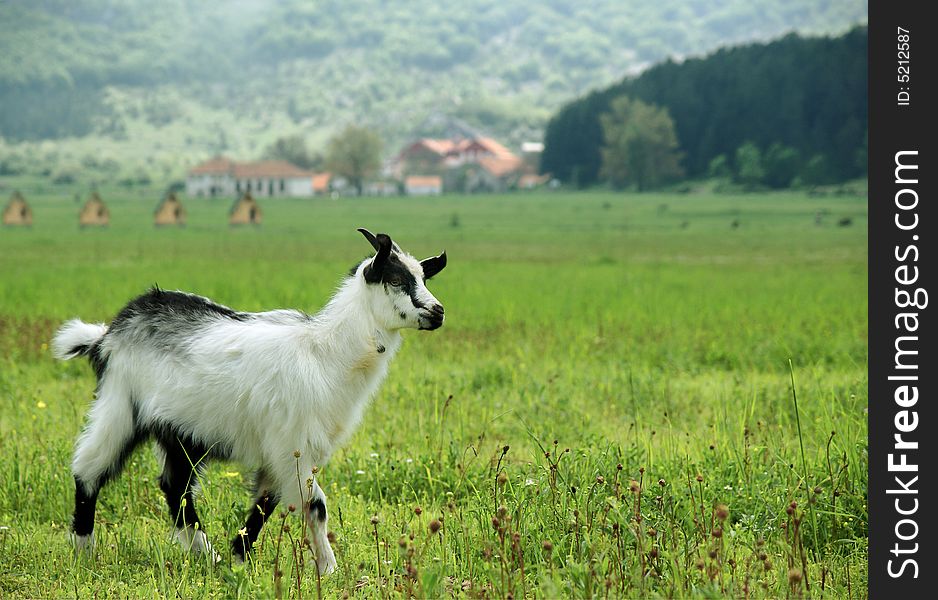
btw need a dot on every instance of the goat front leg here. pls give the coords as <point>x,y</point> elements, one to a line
<point>317,519</point>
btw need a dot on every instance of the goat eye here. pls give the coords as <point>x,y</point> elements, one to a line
<point>395,281</point>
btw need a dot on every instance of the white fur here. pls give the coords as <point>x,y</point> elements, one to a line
<point>196,542</point>
<point>73,334</point>
<point>83,543</point>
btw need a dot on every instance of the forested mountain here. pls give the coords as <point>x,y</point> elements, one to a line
<point>808,95</point>
<point>162,83</point>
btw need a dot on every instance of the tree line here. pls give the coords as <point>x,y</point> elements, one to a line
<point>775,114</point>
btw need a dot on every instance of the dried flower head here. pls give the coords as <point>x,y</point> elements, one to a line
<point>375,520</point>
<point>435,525</point>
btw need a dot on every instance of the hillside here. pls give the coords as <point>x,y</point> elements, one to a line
<point>808,95</point>
<point>143,87</point>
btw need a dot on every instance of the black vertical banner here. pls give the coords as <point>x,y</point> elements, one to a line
<point>903,374</point>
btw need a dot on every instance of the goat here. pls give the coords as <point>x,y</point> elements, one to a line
<point>279,391</point>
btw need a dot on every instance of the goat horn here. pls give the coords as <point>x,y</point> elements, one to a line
<point>371,238</point>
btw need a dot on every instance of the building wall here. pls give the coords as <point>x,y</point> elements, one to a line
<point>423,190</point>
<point>264,187</point>
<point>209,185</point>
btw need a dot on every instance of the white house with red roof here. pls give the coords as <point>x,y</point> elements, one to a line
<point>221,176</point>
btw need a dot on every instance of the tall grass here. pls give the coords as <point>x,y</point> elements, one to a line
<point>608,412</point>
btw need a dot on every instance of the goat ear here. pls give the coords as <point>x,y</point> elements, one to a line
<point>374,269</point>
<point>433,265</point>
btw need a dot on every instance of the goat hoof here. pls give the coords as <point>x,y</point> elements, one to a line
<point>83,544</point>
<point>326,562</point>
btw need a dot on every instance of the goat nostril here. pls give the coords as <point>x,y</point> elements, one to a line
<point>438,309</point>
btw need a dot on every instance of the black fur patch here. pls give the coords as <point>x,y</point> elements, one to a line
<point>83,519</point>
<point>175,310</point>
<point>320,507</point>
<point>394,270</point>
<point>263,507</point>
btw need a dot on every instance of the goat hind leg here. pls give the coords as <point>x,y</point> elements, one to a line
<point>100,453</point>
<point>180,471</point>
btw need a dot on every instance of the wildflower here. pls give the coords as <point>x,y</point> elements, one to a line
<point>418,510</point>
<point>296,454</point>
<point>375,520</point>
<point>722,512</point>
<point>794,576</point>
<point>435,526</point>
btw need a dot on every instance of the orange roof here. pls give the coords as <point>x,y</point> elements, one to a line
<point>500,166</point>
<point>218,165</point>
<point>268,168</point>
<point>424,181</point>
<point>221,165</point>
<point>494,147</point>
<point>321,182</point>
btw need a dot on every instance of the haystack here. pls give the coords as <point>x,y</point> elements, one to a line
<point>17,212</point>
<point>169,212</point>
<point>94,213</point>
<point>245,211</point>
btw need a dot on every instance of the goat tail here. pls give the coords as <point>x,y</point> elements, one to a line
<point>75,338</point>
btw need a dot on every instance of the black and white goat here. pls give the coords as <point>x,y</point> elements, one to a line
<point>269,390</point>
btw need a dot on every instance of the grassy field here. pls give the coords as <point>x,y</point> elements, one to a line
<point>608,411</point>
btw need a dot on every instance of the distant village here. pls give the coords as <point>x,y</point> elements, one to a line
<point>426,167</point>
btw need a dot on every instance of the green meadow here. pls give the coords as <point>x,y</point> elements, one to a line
<point>652,395</point>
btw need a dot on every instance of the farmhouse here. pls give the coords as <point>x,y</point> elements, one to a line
<point>94,213</point>
<point>468,165</point>
<point>169,212</point>
<point>17,212</point>
<point>221,176</point>
<point>245,211</point>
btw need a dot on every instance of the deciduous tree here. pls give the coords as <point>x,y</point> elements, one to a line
<point>641,146</point>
